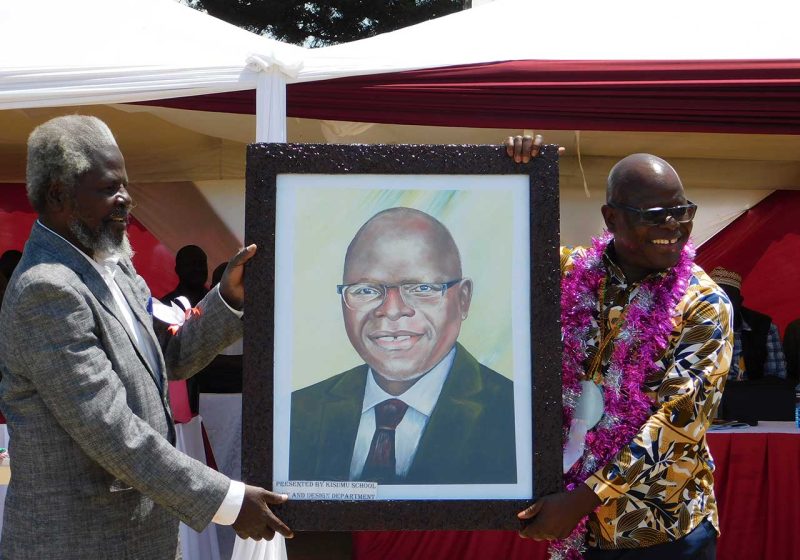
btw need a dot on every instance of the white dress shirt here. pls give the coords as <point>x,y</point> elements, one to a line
<point>106,266</point>
<point>421,399</point>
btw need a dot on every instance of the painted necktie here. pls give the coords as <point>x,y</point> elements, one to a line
<point>381,464</point>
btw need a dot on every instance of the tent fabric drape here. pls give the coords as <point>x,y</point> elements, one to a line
<point>752,96</point>
<point>178,214</point>
<point>762,245</point>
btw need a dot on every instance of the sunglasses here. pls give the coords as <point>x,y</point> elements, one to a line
<point>659,216</point>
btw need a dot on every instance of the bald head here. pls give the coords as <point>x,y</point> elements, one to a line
<point>636,174</point>
<point>645,210</point>
<point>405,256</point>
<point>402,231</point>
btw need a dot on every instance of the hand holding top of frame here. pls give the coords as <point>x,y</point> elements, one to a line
<point>523,148</point>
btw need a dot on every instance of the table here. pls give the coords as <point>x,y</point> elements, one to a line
<point>222,418</point>
<point>757,484</point>
<point>203,545</point>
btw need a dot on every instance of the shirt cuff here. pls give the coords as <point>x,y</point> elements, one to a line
<point>232,504</point>
<point>236,312</point>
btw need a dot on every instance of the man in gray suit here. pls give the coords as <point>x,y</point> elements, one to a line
<point>84,380</point>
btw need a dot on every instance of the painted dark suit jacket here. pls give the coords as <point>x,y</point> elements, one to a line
<point>469,438</point>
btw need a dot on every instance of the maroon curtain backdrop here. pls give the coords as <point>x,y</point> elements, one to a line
<point>703,96</point>
<point>763,245</point>
<point>153,260</point>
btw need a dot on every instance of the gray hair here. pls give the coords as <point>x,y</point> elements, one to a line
<point>60,151</point>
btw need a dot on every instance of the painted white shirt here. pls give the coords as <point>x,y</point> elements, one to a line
<point>421,399</point>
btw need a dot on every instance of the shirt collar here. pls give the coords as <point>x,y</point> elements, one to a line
<point>421,396</point>
<point>617,275</point>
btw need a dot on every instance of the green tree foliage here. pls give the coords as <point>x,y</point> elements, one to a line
<point>318,23</point>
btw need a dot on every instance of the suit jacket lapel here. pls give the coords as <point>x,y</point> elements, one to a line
<point>136,302</point>
<point>341,414</point>
<point>69,256</point>
<point>456,411</point>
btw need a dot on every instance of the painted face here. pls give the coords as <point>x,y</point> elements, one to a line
<point>400,338</point>
<point>101,204</point>
<point>642,249</point>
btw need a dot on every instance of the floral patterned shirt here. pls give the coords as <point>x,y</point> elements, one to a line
<point>660,486</point>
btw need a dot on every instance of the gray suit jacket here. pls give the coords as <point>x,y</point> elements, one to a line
<point>95,474</point>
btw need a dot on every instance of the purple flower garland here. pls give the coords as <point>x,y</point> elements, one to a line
<point>640,342</point>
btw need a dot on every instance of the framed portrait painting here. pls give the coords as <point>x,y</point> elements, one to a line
<point>402,348</point>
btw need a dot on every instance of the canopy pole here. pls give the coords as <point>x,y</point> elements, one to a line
<point>271,106</point>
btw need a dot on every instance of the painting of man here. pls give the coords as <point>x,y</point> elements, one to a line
<point>420,409</point>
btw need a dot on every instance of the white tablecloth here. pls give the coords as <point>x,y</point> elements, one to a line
<point>764,427</point>
<point>222,418</point>
<point>194,545</point>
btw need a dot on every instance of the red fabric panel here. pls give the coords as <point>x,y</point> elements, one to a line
<point>757,483</point>
<point>16,217</point>
<point>783,505</point>
<point>179,401</point>
<point>710,96</point>
<point>763,245</point>
<point>154,262</point>
<point>446,545</point>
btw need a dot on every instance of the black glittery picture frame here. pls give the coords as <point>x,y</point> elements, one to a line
<point>265,162</point>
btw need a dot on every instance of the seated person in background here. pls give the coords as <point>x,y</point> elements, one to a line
<point>3,283</point>
<point>757,350</point>
<point>224,373</point>
<point>8,262</point>
<point>191,266</point>
<point>791,350</point>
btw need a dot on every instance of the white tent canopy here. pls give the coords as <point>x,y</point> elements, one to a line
<point>578,30</point>
<point>93,56</point>
<point>88,52</point>
<point>55,53</point>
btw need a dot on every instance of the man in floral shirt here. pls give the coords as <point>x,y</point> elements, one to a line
<point>649,495</point>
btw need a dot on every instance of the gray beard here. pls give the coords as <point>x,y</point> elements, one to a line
<point>102,243</point>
